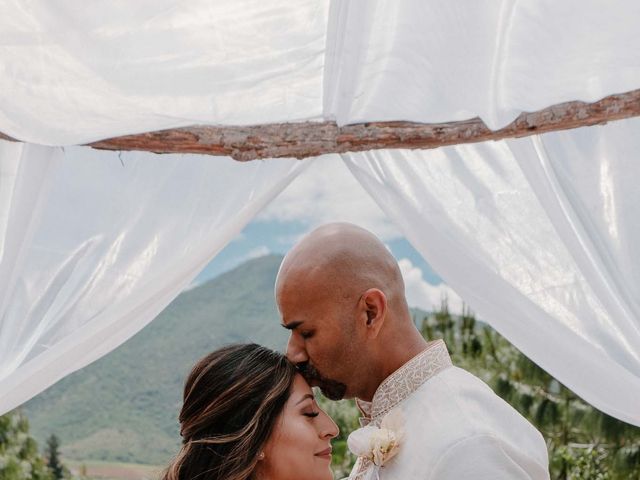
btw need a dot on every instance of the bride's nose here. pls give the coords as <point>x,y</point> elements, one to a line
<point>329,429</point>
<point>295,350</point>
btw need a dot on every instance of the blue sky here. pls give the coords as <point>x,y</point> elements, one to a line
<point>327,192</point>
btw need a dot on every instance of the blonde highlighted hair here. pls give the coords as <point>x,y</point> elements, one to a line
<point>232,398</point>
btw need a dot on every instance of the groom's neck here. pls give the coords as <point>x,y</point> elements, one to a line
<point>393,354</point>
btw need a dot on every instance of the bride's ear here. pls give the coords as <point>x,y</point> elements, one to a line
<point>258,471</point>
<point>375,306</point>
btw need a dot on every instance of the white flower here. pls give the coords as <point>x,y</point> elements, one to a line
<point>378,444</point>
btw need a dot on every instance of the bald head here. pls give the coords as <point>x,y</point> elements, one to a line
<point>343,260</point>
<point>341,294</point>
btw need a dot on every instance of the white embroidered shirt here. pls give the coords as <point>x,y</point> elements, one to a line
<point>456,427</point>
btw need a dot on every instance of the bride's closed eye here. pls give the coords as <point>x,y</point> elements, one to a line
<point>311,414</point>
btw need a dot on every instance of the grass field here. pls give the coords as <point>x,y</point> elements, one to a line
<point>115,471</point>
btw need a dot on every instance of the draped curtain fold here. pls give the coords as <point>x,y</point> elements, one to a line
<point>95,244</point>
<point>108,69</point>
<point>538,236</point>
<point>431,61</point>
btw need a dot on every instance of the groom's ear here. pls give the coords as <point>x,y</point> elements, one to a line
<point>375,306</point>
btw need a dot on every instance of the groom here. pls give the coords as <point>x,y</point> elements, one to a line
<point>341,294</point>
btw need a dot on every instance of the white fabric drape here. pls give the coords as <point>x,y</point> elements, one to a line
<point>538,235</point>
<point>74,71</point>
<point>95,244</point>
<point>434,61</point>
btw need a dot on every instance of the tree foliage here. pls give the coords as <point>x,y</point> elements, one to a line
<point>53,458</point>
<point>19,456</point>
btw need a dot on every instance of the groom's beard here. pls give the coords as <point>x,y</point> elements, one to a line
<point>331,389</point>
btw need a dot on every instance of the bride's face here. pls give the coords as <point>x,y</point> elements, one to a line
<point>300,444</point>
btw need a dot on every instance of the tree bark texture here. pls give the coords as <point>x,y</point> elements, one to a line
<point>309,139</point>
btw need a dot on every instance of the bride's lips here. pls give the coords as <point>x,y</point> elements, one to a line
<point>325,453</point>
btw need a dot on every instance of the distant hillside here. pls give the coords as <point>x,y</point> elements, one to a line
<point>124,407</point>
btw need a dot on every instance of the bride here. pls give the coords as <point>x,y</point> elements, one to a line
<point>248,415</point>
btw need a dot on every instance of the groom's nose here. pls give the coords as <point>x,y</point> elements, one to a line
<point>296,352</point>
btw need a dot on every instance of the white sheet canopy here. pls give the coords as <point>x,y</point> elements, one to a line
<point>536,234</point>
<point>74,72</point>
<point>96,245</point>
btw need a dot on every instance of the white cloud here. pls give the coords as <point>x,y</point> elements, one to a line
<point>424,295</point>
<point>257,252</point>
<point>328,192</point>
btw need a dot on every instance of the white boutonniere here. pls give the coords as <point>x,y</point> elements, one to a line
<point>379,445</point>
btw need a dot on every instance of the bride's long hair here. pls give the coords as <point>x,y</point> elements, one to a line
<point>232,398</point>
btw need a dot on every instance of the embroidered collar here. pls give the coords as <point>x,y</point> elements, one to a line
<point>404,381</point>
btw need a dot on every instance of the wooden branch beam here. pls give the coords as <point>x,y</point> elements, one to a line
<point>309,139</point>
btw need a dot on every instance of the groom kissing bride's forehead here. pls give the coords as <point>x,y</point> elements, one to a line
<point>341,294</point>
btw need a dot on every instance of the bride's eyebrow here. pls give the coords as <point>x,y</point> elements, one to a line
<point>307,396</point>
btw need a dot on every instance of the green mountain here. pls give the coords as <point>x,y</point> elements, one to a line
<point>124,407</point>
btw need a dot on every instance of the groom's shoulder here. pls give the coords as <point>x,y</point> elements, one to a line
<point>455,409</point>
<point>455,382</point>
<point>455,393</point>
<point>460,403</point>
